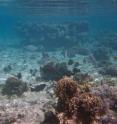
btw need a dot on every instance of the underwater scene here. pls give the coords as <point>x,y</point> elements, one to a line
<point>58,61</point>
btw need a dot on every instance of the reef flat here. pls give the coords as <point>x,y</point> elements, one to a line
<point>37,101</point>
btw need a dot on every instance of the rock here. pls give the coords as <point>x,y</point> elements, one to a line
<point>76,64</point>
<point>75,70</point>
<point>14,86</point>
<point>33,72</point>
<point>19,75</point>
<point>70,62</point>
<point>50,118</point>
<point>112,71</point>
<point>38,87</point>
<point>101,53</point>
<point>54,71</point>
<point>82,78</point>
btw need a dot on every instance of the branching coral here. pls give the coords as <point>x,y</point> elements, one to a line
<point>86,87</point>
<point>86,107</point>
<point>77,104</point>
<point>66,88</point>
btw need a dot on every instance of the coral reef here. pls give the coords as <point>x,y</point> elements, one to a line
<point>33,72</point>
<point>73,51</point>
<point>80,107</point>
<point>38,87</point>
<point>101,53</point>
<point>75,70</point>
<point>66,88</point>
<point>70,62</point>
<point>85,87</point>
<point>14,86</point>
<point>108,120</point>
<point>82,78</point>
<point>7,68</point>
<point>108,93</point>
<point>17,111</point>
<point>19,75</point>
<point>54,71</point>
<point>109,70</point>
<point>57,34</point>
<point>86,107</point>
<point>50,118</point>
<point>70,95</point>
<point>76,64</point>
<point>108,39</point>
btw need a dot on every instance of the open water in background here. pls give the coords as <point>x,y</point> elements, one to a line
<point>101,15</point>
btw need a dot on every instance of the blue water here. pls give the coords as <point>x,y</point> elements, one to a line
<point>101,16</point>
<point>44,40</point>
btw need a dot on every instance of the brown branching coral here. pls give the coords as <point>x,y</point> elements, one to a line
<point>86,107</point>
<point>66,88</point>
<point>77,104</point>
<point>85,87</point>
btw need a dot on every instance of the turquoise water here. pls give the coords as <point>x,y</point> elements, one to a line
<point>85,22</point>
<point>44,41</point>
<point>100,16</point>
